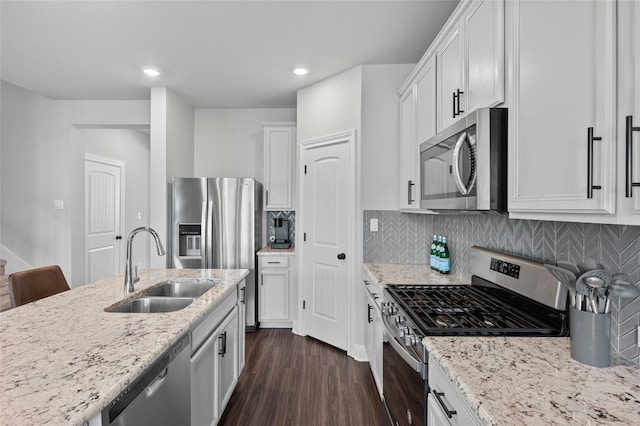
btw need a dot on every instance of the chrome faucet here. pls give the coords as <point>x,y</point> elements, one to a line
<point>131,276</point>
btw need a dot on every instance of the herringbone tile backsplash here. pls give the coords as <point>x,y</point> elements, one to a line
<point>406,238</point>
<point>289,215</point>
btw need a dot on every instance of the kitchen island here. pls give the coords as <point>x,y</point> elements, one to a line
<point>64,358</point>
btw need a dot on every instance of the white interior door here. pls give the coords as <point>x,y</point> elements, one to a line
<point>326,262</point>
<point>103,216</point>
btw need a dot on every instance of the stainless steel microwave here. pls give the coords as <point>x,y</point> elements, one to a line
<point>464,166</point>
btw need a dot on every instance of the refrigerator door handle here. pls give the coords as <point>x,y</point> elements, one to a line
<point>203,235</point>
<point>209,240</point>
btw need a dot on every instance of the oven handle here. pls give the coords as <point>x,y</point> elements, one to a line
<point>416,364</point>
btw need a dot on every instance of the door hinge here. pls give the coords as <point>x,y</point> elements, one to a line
<point>305,169</point>
<point>304,236</point>
<point>304,304</point>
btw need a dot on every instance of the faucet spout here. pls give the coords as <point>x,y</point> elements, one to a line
<point>131,276</point>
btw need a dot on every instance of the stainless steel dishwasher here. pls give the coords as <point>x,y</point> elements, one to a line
<point>160,396</point>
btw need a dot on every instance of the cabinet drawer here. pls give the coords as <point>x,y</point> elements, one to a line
<point>274,261</point>
<point>449,397</point>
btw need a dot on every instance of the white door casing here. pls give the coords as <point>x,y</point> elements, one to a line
<point>328,217</point>
<point>104,207</point>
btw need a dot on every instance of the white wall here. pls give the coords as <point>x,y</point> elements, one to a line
<point>42,157</point>
<point>228,142</point>
<point>381,135</point>
<point>330,106</point>
<point>131,147</point>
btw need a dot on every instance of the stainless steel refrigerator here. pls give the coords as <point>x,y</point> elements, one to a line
<point>217,224</point>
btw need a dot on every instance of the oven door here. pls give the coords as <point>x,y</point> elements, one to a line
<point>448,172</point>
<point>404,381</point>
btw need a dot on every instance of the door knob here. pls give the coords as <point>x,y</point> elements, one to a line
<point>342,256</point>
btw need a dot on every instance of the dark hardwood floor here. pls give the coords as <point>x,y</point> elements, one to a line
<point>294,380</point>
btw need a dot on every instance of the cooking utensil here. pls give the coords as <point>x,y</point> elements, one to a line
<point>566,278</point>
<point>584,292</point>
<point>622,286</point>
<point>569,266</point>
<point>597,282</point>
<point>590,264</point>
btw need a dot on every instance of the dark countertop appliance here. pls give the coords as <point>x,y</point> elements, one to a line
<point>281,240</point>
<point>508,296</point>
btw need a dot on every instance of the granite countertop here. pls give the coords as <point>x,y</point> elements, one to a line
<point>391,273</point>
<point>63,358</point>
<point>525,380</point>
<point>268,251</point>
<point>534,381</point>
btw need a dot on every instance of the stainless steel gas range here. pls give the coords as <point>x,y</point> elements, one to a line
<point>508,296</point>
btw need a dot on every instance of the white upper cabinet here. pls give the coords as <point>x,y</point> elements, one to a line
<point>483,35</point>
<point>450,89</point>
<point>562,137</point>
<point>462,70</point>
<point>426,105</point>
<point>470,60</point>
<point>279,166</point>
<point>409,154</point>
<point>629,112</point>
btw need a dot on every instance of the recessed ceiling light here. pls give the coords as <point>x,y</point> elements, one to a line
<point>151,72</point>
<point>300,71</point>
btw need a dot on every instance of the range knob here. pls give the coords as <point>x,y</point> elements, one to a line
<point>403,331</point>
<point>412,340</point>
<point>408,337</point>
<point>399,319</point>
<point>385,308</point>
<point>393,309</point>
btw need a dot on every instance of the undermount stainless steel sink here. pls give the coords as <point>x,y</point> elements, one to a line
<point>169,296</point>
<point>181,289</point>
<point>148,305</point>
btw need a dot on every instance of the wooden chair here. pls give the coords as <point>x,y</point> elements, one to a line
<point>35,284</point>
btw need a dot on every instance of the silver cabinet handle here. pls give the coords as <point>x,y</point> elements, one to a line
<point>590,139</point>
<point>439,395</point>
<point>409,187</point>
<point>629,183</point>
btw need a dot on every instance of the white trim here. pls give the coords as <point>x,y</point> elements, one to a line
<point>354,218</point>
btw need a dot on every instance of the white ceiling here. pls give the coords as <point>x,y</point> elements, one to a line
<point>214,54</point>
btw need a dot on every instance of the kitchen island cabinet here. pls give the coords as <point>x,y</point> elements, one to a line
<point>69,358</point>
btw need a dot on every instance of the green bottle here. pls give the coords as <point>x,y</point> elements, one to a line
<point>445,257</point>
<point>434,253</point>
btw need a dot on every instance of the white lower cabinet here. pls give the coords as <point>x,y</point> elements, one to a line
<point>275,292</point>
<point>214,363</point>
<point>373,339</point>
<point>446,406</point>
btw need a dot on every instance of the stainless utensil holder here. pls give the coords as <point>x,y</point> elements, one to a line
<point>590,337</point>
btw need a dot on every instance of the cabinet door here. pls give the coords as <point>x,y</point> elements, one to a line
<point>279,155</point>
<point>274,295</point>
<point>425,89</point>
<point>409,155</point>
<point>204,366</point>
<point>483,29</point>
<point>564,84</point>
<point>435,414</point>
<point>227,353</point>
<point>378,337</point>
<point>629,105</point>
<point>449,65</point>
